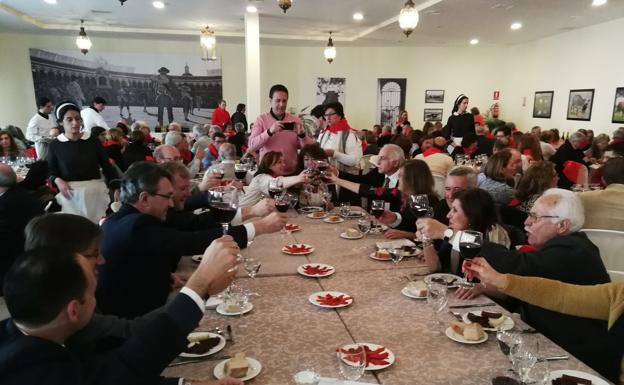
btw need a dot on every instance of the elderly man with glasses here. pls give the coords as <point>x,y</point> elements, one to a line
<point>558,251</point>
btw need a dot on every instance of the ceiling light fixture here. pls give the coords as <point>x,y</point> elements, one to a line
<point>252,9</point>
<point>82,41</point>
<point>284,4</point>
<point>158,4</point>
<point>358,16</point>
<point>208,43</point>
<point>330,50</point>
<point>408,17</point>
<point>598,3</point>
<point>50,1</point>
<point>474,41</point>
<point>515,26</point>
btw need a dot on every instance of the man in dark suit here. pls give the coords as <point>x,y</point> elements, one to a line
<point>17,207</point>
<point>485,145</point>
<point>32,342</point>
<point>572,151</point>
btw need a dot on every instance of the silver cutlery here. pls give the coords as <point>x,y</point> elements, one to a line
<point>186,362</point>
<point>473,305</point>
<point>553,358</point>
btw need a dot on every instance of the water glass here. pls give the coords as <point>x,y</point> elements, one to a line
<point>437,298</point>
<point>351,362</point>
<point>364,225</point>
<point>305,369</point>
<point>345,209</point>
<point>539,374</point>
<point>252,266</point>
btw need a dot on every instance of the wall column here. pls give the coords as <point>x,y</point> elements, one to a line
<point>252,65</point>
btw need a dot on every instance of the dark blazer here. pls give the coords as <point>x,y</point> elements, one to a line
<point>17,208</point>
<point>484,145</point>
<point>564,153</point>
<point>140,360</point>
<point>572,259</point>
<point>141,252</point>
<point>238,140</point>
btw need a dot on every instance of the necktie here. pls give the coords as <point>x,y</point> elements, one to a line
<point>386,182</point>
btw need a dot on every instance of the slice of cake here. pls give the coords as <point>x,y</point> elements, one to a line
<point>382,254</point>
<point>473,332</point>
<point>497,322</point>
<point>237,366</point>
<point>417,288</point>
<point>353,233</point>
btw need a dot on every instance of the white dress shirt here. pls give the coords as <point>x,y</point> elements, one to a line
<point>91,118</point>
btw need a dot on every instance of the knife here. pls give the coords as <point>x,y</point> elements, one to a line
<point>186,362</point>
<point>553,358</point>
<point>229,331</point>
<point>473,305</point>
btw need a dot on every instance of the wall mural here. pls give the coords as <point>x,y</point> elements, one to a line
<point>330,90</point>
<point>156,88</point>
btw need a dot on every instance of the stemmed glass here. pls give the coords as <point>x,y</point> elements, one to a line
<point>437,299</point>
<point>252,266</point>
<point>223,205</point>
<point>276,187</point>
<point>217,171</point>
<point>377,208</point>
<point>240,171</point>
<point>397,255</point>
<point>306,369</point>
<point>364,225</point>
<point>470,243</point>
<point>293,199</point>
<point>351,362</point>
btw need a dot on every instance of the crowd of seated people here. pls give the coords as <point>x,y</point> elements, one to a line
<point>157,188</point>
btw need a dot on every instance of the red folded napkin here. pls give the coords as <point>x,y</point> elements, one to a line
<point>330,300</point>
<point>378,356</point>
<point>297,248</point>
<point>316,270</point>
<point>291,227</point>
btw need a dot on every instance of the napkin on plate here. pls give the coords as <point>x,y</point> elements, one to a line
<point>394,244</point>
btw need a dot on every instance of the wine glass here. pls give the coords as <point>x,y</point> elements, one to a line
<point>377,208</point>
<point>470,243</point>
<point>397,254</point>
<point>419,203</point>
<point>240,171</point>
<point>437,299</point>
<point>351,362</point>
<point>252,266</point>
<point>364,225</point>
<point>293,199</point>
<point>276,187</point>
<point>305,369</point>
<point>345,209</point>
<point>217,171</point>
<point>224,205</point>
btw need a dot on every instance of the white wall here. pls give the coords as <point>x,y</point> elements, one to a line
<point>587,58</point>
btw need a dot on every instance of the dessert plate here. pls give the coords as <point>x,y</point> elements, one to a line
<point>310,209</point>
<point>333,219</point>
<point>254,369</point>
<point>508,324</point>
<point>292,227</point>
<point>297,249</point>
<point>317,215</point>
<point>577,373</point>
<point>377,356</point>
<point>451,280</point>
<point>246,309</point>
<point>405,291</point>
<point>459,338</point>
<point>212,350</point>
<point>373,255</point>
<point>330,299</point>
<point>316,270</point>
<point>347,236</point>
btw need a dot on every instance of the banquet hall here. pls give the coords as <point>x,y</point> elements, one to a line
<point>311,192</point>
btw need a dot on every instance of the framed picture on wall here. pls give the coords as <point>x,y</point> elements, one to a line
<point>618,106</point>
<point>542,104</point>
<point>580,104</point>
<point>433,115</point>
<point>434,96</point>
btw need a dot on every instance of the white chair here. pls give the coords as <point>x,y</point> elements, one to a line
<point>438,185</point>
<point>611,246</point>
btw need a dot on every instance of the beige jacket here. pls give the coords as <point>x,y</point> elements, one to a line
<point>604,209</point>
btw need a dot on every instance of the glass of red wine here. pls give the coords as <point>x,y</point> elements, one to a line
<point>276,187</point>
<point>377,209</point>
<point>470,243</point>
<point>240,171</point>
<point>223,205</point>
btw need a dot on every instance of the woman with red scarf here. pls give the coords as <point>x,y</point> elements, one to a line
<point>220,116</point>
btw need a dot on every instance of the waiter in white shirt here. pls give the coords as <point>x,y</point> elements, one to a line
<point>91,116</point>
<point>39,126</point>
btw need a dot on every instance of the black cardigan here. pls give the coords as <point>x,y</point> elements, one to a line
<point>460,125</point>
<point>78,160</point>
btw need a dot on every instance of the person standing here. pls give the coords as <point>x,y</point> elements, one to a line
<point>220,116</point>
<point>279,131</point>
<point>163,87</point>
<point>39,126</point>
<point>239,116</point>
<point>91,116</point>
<point>461,121</point>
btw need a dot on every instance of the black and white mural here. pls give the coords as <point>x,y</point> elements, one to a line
<point>156,88</point>
<point>330,90</point>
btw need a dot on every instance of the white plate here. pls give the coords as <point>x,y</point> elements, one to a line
<point>294,227</point>
<point>313,298</point>
<point>353,214</point>
<point>447,277</point>
<point>213,302</point>
<point>246,309</point>
<point>508,324</point>
<point>459,338</point>
<point>338,219</point>
<point>215,349</point>
<point>405,291</point>
<point>373,255</point>
<point>346,236</point>
<point>373,347</point>
<point>301,270</point>
<point>254,369</point>
<point>310,209</point>
<point>576,373</point>
<point>197,258</point>
<point>311,215</point>
<point>285,251</point>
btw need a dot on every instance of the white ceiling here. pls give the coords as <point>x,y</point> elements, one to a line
<point>442,22</point>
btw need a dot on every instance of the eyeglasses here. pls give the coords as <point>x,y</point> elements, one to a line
<point>537,217</point>
<point>329,115</point>
<point>166,196</point>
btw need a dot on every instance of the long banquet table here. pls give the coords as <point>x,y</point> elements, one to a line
<point>284,324</point>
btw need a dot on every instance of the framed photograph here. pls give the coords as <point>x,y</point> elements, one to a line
<point>433,115</point>
<point>618,106</point>
<point>580,104</point>
<point>434,96</point>
<point>542,104</point>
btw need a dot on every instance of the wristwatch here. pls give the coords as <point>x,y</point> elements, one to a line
<point>269,133</point>
<point>448,233</point>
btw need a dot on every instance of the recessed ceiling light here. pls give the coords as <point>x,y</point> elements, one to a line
<point>158,4</point>
<point>597,3</point>
<point>50,1</point>
<point>252,9</point>
<point>474,41</point>
<point>358,16</point>
<point>516,26</point>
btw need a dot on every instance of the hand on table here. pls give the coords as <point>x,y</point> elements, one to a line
<point>398,234</point>
<point>470,292</point>
<point>387,217</point>
<point>481,269</point>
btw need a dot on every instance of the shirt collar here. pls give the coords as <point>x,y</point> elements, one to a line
<point>275,116</point>
<point>394,177</point>
<point>45,116</point>
<point>63,138</point>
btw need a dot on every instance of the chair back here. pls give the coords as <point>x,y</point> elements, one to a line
<point>438,185</point>
<point>610,243</point>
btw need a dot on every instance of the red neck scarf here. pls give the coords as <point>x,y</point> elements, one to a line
<point>213,150</point>
<point>468,151</point>
<point>342,125</point>
<point>431,151</point>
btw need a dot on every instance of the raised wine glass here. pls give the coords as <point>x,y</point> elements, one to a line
<point>276,187</point>
<point>223,205</point>
<point>240,171</point>
<point>470,243</point>
<point>377,208</point>
<point>217,170</point>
